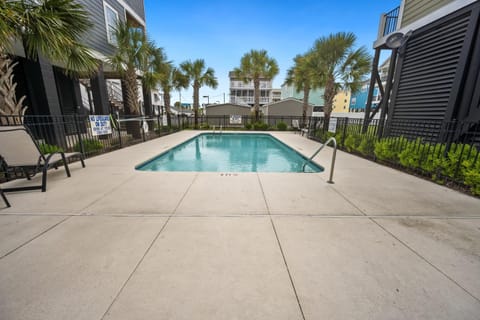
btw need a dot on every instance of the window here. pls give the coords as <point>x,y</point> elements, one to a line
<point>111,21</point>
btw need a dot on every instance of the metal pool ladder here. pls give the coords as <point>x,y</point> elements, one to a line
<point>332,166</point>
<point>221,129</point>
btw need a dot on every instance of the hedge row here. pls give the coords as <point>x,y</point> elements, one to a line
<point>459,163</point>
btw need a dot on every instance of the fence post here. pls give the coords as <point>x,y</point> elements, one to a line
<point>79,135</point>
<point>344,131</point>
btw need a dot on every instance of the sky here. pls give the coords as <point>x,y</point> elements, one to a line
<point>221,32</point>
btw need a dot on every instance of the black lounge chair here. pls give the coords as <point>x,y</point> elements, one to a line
<point>4,198</point>
<point>20,151</point>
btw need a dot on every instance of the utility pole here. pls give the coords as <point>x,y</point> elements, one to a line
<point>224,98</point>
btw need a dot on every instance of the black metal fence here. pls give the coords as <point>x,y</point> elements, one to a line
<point>242,122</point>
<point>446,152</point>
<point>74,132</point>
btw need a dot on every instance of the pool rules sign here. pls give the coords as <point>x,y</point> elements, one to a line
<point>100,125</point>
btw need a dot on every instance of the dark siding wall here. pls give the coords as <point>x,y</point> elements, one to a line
<point>428,71</point>
<point>97,36</point>
<point>436,75</point>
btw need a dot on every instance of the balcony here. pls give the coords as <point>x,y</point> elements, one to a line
<point>248,100</point>
<point>388,22</point>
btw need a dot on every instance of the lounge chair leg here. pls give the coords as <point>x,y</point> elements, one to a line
<point>44,178</point>
<point>5,199</point>
<point>66,165</point>
<point>82,161</point>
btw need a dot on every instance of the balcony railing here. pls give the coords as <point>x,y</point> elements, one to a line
<point>248,100</point>
<point>388,22</point>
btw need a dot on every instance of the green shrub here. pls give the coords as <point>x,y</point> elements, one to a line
<point>46,148</point>
<point>388,149</point>
<point>248,126</point>
<point>204,126</point>
<point>472,176</point>
<point>352,142</point>
<point>324,135</point>
<point>459,156</point>
<point>282,126</point>
<point>339,138</point>
<point>367,145</point>
<point>260,126</point>
<point>89,146</point>
<point>413,153</point>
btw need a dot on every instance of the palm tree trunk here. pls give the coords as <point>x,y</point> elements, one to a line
<point>256,88</point>
<point>306,96</point>
<point>130,94</point>
<point>166,100</point>
<point>328,97</point>
<point>130,101</point>
<point>196,89</point>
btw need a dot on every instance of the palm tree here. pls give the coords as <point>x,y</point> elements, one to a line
<point>255,65</point>
<point>339,66</point>
<point>152,66</point>
<point>51,28</point>
<point>133,50</point>
<point>198,75</point>
<point>301,77</point>
<point>171,78</point>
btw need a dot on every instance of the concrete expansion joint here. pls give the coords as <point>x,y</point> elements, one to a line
<point>148,249</point>
<point>425,260</point>
<point>35,237</point>
<point>119,185</point>
<point>136,267</point>
<point>372,218</point>
<point>281,251</point>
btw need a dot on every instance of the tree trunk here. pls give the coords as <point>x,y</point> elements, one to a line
<point>256,89</point>
<point>306,95</point>
<point>130,102</point>
<point>147,100</point>
<point>147,105</point>
<point>130,93</point>
<point>328,97</point>
<point>196,89</point>
<point>166,101</point>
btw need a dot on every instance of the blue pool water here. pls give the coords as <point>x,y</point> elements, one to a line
<point>229,152</point>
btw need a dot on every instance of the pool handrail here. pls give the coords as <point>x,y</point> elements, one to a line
<point>221,129</point>
<point>334,155</point>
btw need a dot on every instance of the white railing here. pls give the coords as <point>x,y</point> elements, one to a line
<point>114,89</point>
<point>248,100</point>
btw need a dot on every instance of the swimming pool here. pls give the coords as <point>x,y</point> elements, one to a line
<point>231,152</point>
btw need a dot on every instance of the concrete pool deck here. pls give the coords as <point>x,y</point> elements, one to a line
<point>114,243</point>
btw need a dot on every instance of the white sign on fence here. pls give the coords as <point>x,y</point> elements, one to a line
<point>164,120</point>
<point>332,125</point>
<point>100,125</point>
<point>235,119</point>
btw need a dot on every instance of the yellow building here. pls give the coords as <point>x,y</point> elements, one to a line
<point>341,102</point>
